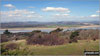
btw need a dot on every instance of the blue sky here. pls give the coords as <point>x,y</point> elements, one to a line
<point>47,11</point>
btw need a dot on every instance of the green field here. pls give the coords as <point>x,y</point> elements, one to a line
<point>66,49</point>
<point>54,26</point>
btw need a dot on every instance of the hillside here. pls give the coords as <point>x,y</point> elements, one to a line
<point>43,24</point>
<point>67,49</point>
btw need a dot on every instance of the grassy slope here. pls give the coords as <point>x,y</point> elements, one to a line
<point>67,49</point>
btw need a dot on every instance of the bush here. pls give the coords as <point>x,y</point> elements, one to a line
<point>73,36</point>
<point>57,30</point>
<point>45,39</point>
<point>73,40</point>
<point>3,50</point>
<point>11,46</point>
<point>4,38</point>
<point>89,34</point>
<point>36,31</point>
<point>94,39</point>
<point>7,32</point>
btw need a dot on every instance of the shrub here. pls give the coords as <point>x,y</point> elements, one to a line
<point>3,50</point>
<point>45,39</point>
<point>73,36</point>
<point>36,31</point>
<point>94,39</point>
<point>57,30</point>
<point>89,34</point>
<point>4,38</point>
<point>7,32</point>
<point>11,46</point>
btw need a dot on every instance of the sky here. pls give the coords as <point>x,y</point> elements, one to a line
<point>49,10</point>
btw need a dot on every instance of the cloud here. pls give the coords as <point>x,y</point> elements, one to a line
<point>94,16</point>
<point>67,17</point>
<point>60,16</point>
<point>56,9</point>
<point>19,15</point>
<point>9,6</point>
<point>64,15</point>
<point>98,11</point>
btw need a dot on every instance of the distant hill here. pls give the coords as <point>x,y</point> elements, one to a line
<point>94,22</point>
<point>43,24</point>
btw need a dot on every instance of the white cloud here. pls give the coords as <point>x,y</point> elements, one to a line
<point>56,9</point>
<point>65,14</point>
<point>34,15</point>
<point>94,16</point>
<point>64,17</point>
<point>61,15</point>
<point>98,11</point>
<point>9,6</point>
<point>19,15</point>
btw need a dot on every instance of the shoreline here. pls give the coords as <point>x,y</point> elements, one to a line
<point>48,28</point>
